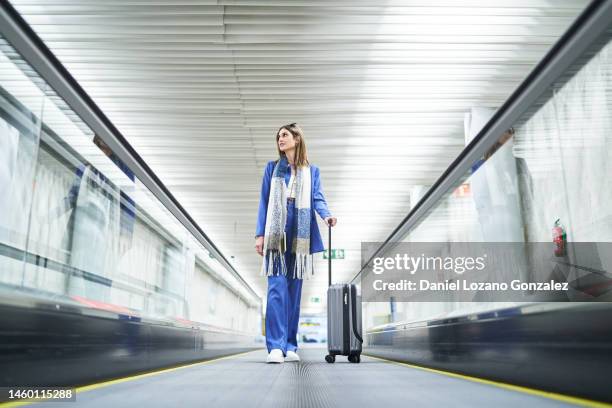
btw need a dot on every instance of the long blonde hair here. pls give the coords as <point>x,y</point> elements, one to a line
<point>301,157</point>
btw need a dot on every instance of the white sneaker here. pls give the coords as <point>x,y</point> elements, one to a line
<point>292,356</point>
<point>275,356</point>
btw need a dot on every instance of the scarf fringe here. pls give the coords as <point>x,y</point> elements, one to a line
<point>273,257</point>
<point>303,268</point>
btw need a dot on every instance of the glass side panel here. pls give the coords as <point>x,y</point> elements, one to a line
<point>551,173</point>
<point>77,226</point>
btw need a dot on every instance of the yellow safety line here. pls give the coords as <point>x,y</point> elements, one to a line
<point>102,384</point>
<point>545,394</point>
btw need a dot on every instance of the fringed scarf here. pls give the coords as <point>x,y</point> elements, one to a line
<point>275,240</point>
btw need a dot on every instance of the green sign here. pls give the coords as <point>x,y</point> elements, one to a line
<point>315,299</point>
<point>335,254</point>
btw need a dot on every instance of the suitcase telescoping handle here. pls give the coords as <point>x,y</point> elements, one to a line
<point>329,227</point>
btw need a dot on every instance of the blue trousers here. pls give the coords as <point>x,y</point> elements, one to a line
<point>284,295</point>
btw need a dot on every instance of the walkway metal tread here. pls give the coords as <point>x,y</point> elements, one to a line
<point>245,380</point>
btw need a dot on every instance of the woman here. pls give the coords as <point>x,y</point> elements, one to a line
<point>287,235</point>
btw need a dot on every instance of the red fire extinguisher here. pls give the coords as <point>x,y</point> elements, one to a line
<point>559,238</point>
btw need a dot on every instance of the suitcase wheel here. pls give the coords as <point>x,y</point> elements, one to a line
<point>330,358</point>
<point>354,358</point>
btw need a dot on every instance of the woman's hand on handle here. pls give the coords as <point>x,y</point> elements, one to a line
<point>259,243</point>
<point>331,221</point>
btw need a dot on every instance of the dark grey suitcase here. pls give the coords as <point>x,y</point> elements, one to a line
<point>343,319</point>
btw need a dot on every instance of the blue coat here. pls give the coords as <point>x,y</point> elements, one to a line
<point>317,204</point>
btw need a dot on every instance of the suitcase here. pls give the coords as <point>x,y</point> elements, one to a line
<point>343,319</point>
